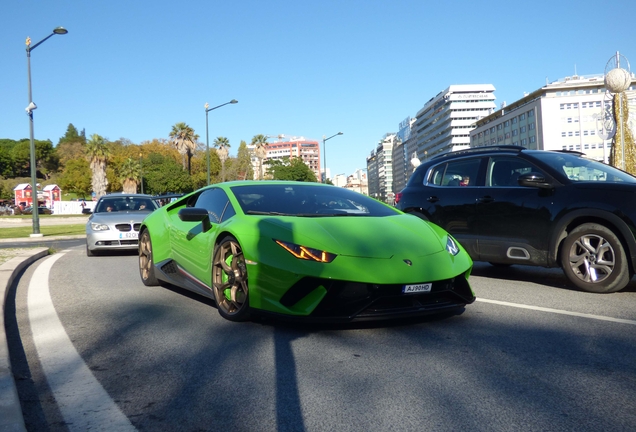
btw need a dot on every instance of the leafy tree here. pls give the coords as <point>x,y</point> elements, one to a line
<point>97,153</point>
<point>71,146</point>
<point>260,141</point>
<point>294,169</point>
<point>44,156</point>
<point>184,139</point>
<point>76,177</point>
<point>164,175</point>
<point>72,136</point>
<point>6,163</point>
<point>244,170</point>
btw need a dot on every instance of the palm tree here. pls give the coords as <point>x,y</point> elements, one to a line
<point>97,153</point>
<point>129,175</point>
<point>222,144</point>
<point>184,139</point>
<point>260,141</point>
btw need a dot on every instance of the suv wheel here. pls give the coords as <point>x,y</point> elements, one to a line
<point>594,260</point>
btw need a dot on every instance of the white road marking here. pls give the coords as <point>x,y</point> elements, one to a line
<point>83,402</point>
<point>559,311</point>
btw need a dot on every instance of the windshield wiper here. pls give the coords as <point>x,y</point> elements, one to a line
<point>264,213</point>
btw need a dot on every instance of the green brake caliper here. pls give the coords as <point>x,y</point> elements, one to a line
<point>227,291</point>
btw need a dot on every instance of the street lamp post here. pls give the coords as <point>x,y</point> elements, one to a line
<point>34,187</point>
<point>324,152</point>
<point>207,138</point>
<point>141,172</point>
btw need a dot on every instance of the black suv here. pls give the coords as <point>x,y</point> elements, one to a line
<point>509,205</point>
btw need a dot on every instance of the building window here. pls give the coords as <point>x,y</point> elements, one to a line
<point>486,132</point>
<point>524,142</point>
<point>584,133</point>
<point>563,134</point>
<point>592,132</point>
<point>499,126</point>
<point>515,132</point>
<point>575,105</point>
<point>493,141</point>
<point>586,146</point>
<point>532,139</point>
<point>522,116</point>
<point>514,120</point>
<point>570,133</point>
<point>492,129</point>
<point>523,129</point>
<point>531,126</point>
<point>531,113</point>
<point>577,133</point>
<point>507,135</point>
<point>562,106</point>
<point>507,123</point>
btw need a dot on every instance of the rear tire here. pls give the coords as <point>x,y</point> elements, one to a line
<point>593,259</point>
<point>146,261</point>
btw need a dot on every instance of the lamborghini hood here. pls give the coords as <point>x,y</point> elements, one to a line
<point>357,236</point>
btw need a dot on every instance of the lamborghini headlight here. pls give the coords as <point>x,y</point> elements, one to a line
<point>99,227</point>
<point>451,246</point>
<point>306,253</point>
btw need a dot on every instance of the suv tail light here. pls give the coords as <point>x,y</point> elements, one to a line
<point>398,197</point>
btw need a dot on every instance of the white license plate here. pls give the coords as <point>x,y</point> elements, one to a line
<point>417,288</point>
<point>128,235</point>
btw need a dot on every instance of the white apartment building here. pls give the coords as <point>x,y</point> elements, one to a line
<point>445,121</point>
<point>380,169</point>
<point>563,115</point>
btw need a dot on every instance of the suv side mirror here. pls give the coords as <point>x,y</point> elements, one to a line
<point>534,179</point>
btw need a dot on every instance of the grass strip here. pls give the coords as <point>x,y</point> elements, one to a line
<point>47,231</point>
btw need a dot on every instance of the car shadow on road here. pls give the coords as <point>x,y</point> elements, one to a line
<point>552,277</point>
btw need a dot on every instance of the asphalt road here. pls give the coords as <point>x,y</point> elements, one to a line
<point>531,354</point>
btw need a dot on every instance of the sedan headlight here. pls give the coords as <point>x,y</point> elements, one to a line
<point>99,227</point>
<point>451,246</point>
<point>306,253</point>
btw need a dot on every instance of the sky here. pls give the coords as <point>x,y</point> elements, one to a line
<point>312,68</point>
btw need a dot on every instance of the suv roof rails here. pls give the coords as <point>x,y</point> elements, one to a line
<point>481,149</point>
<point>578,153</point>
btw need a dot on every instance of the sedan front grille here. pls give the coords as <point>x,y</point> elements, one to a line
<point>128,227</point>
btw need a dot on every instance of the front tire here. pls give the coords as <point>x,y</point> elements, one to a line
<point>146,262</point>
<point>594,259</point>
<point>229,280</point>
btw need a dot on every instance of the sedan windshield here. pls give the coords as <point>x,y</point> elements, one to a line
<point>125,203</point>
<point>306,200</point>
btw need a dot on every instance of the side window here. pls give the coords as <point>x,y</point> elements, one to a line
<point>462,172</point>
<point>504,171</point>
<point>458,173</point>
<point>215,202</point>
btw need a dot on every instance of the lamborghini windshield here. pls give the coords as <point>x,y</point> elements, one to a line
<point>306,200</point>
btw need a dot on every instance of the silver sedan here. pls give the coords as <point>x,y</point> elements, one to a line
<point>114,225</point>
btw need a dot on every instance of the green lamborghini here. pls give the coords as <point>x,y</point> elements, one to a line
<point>303,250</point>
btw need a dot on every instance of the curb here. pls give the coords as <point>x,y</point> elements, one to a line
<point>11,418</point>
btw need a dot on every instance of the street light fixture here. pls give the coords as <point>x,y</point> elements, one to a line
<point>141,172</point>
<point>207,139</point>
<point>29,110</point>
<point>324,152</point>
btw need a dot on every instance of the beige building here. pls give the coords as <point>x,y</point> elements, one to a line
<point>564,115</point>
